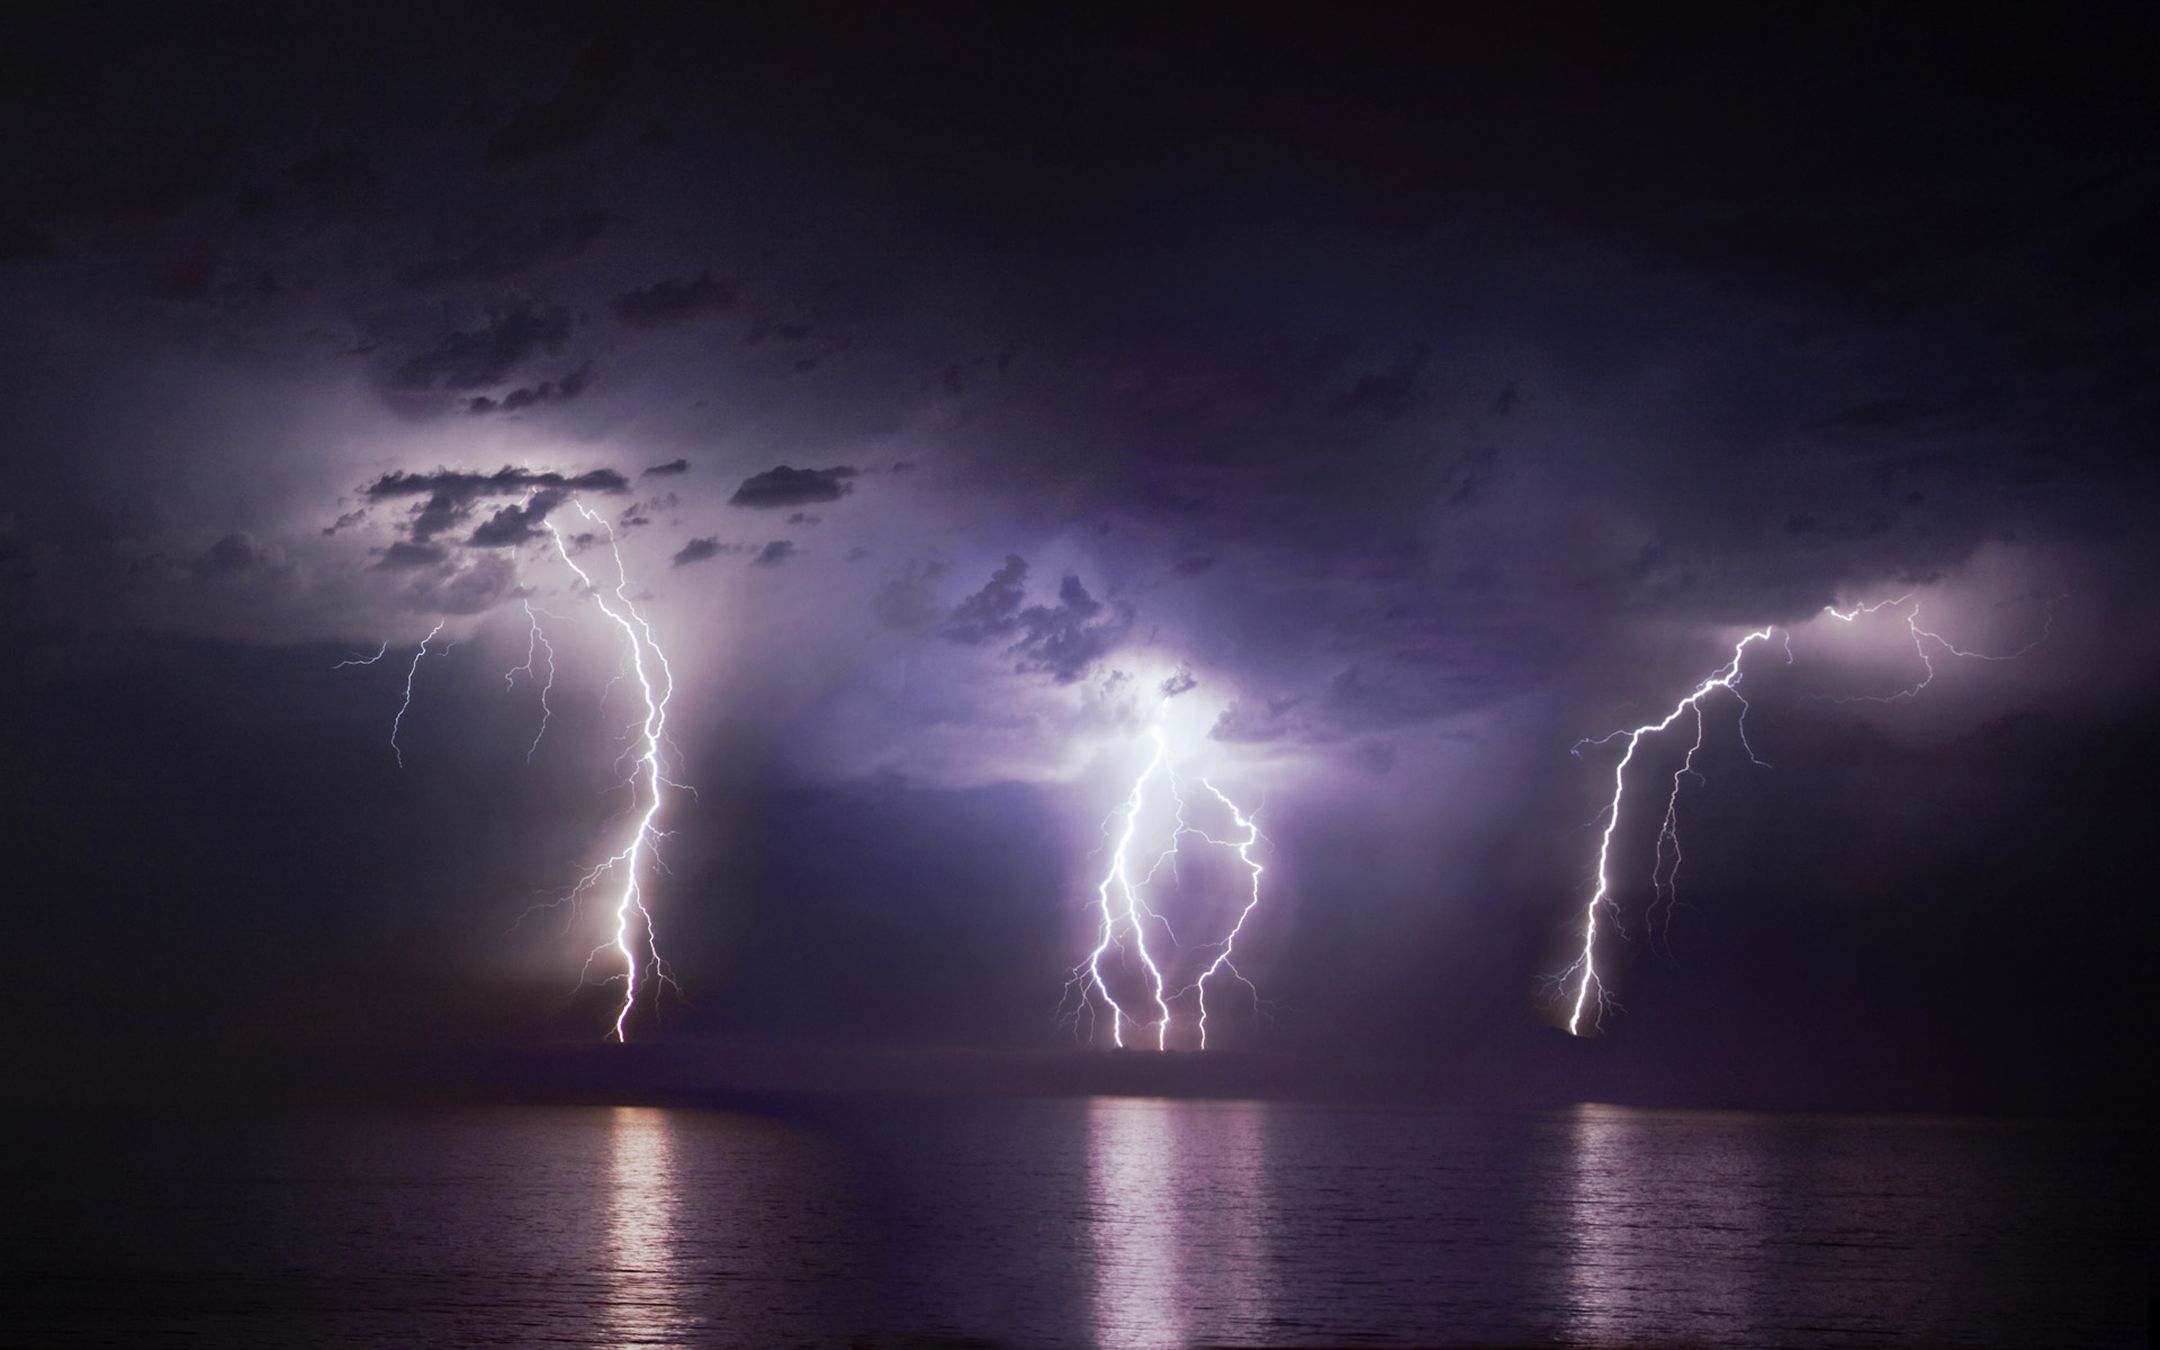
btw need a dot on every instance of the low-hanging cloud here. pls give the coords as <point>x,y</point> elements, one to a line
<point>786,486</point>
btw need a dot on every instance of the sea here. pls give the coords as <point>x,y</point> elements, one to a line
<point>1108,1221</point>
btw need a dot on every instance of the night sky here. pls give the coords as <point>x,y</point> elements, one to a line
<point>1427,392</point>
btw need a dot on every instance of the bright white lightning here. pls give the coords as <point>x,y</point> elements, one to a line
<point>1126,912</point>
<point>1122,905</point>
<point>648,779</point>
<point>1727,677</point>
<point>1665,866</point>
<point>399,720</point>
<point>1252,902</point>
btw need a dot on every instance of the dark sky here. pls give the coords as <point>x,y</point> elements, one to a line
<point>1431,390</point>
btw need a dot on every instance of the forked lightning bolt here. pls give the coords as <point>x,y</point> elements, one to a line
<point>536,644</point>
<point>1921,638</point>
<point>1590,995</point>
<point>1123,910</point>
<point>634,942</point>
<point>411,671</point>
<point>1222,959</point>
<point>1727,677</point>
<point>648,779</point>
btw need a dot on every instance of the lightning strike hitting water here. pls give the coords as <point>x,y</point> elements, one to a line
<point>1665,864</point>
<point>1121,903</point>
<point>647,779</point>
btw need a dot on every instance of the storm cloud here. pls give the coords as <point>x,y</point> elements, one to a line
<point>478,357</point>
<point>784,486</point>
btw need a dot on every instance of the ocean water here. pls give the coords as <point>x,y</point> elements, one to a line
<point>1099,1222</point>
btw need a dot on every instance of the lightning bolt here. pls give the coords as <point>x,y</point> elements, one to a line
<point>399,720</point>
<point>1727,678</point>
<point>383,651</point>
<point>1922,637</point>
<point>536,642</point>
<point>1222,959</point>
<point>1123,910</point>
<point>648,779</point>
<point>1665,864</point>
<point>1126,911</point>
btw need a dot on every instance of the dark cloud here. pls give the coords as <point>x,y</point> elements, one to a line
<point>784,486</point>
<point>547,391</point>
<point>475,358</point>
<point>1065,640</point>
<point>1182,681</point>
<point>668,470</point>
<point>700,549</point>
<point>775,553</point>
<point>991,612</point>
<point>451,494</point>
<point>405,556</point>
<point>559,123</point>
<point>674,300</point>
<point>516,523</point>
<point>1062,640</point>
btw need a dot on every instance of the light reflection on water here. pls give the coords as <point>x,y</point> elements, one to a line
<point>1177,1224</point>
<point>1660,1248</point>
<point>1067,1223</point>
<point>642,1306</point>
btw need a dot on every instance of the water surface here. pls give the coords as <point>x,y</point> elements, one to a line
<point>1111,1221</point>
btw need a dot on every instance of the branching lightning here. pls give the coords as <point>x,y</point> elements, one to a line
<point>1590,993</point>
<point>633,921</point>
<point>1126,915</point>
<point>1222,959</point>
<point>536,645</point>
<point>1921,638</point>
<point>1126,911</point>
<point>1727,677</point>
<point>633,942</point>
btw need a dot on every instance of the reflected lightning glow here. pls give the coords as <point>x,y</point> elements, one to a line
<point>1590,994</point>
<point>1124,911</point>
<point>647,778</point>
